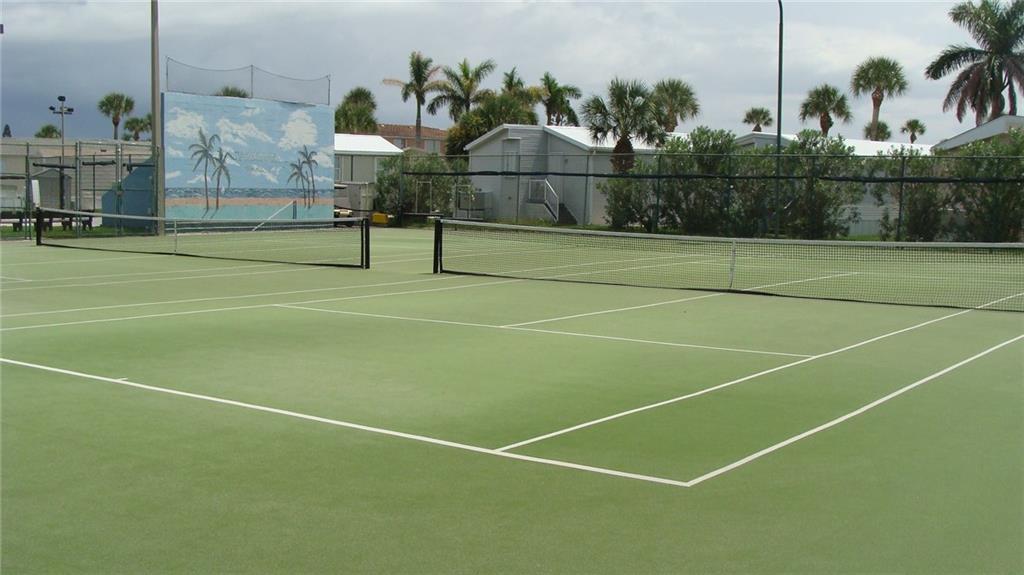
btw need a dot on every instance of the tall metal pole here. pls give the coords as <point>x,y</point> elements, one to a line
<point>157,112</point>
<point>778,132</point>
<point>62,110</point>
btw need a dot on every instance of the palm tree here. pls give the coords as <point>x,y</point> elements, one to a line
<point>421,82</point>
<point>114,105</point>
<point>220,168</point>
<point>824,102</point>
<point>307,158</point>
<point>232,92</point>
<point>513,86</point>
<point>986,71</point>
<point>48,131</point>
<point>631,111</point>
<point>355,113</point>
<point>139,125</point>
<point>556,98</point>
<point>881,77</point>
<point>492,111</point>
<point>202,152</point>
<point>758,117</point>
<point>878,132</point>
<point>461,88</point>
<point>298,176</point>
<point>676,101</point>
<point>914,127</point>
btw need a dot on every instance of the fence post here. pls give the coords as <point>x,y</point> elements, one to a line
<point>519,183</point>
<point>656,216</point>
<point>401,192</point>
<point>899,206</point>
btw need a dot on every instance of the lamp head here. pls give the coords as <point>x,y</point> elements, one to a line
<point>61,98</point>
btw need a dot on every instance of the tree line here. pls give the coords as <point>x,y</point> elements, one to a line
<point>986,79</point>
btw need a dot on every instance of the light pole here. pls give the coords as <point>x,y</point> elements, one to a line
<point>778,133</point>
<point>62,110</point>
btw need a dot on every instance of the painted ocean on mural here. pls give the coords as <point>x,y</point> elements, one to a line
<point>232,158</point>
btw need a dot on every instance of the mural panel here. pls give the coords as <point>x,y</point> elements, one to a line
<point>229,158</point>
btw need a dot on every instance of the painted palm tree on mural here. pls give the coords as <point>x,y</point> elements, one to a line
<point>631,111</point>
<point>220,169</point>
<point>422,81</point>
<point>824,102</point>
<point>882,78</point>
<point>202,153</point>
<point>758,117</point>
<point>556,100</point>
<point>914,127</point>
<point>676,102</point>
<point>115,105</point>
<point>307,159</point>
<point>460,88</point>
<point>298,175</point>
<point>995,66</point>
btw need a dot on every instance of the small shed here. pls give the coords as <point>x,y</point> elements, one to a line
<point>357,161</point>
<point>566,161</point>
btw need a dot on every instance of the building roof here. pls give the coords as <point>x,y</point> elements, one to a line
<point>575,135</point>
<point>580,137</point>
<point>1000,125</point>
<point>409,131</point>
<point>364,145</point>
<point>860,147</point>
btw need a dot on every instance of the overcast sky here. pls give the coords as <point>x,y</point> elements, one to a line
<point>725,50</point>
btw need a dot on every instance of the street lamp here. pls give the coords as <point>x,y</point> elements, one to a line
<point>778,133</point>
<point>62,110</point>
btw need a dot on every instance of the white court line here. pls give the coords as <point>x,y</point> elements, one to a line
<point>635,307</point>
<point>13,279</point>
<point>244,307</point>
<point>843,418</point>
<point>59,262</point>
<point>164,272</point>
<point>147,280</point>
<point>356,426</point>
<point>525,329</point>
<point>226,297</point>
<point>707,390</point>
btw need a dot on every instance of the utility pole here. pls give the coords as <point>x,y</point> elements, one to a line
<point>62,110</point>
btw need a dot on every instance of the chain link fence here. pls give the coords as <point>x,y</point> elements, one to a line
<point>902,196</point>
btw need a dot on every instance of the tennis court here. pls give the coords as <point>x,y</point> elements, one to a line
<point>180,414</point>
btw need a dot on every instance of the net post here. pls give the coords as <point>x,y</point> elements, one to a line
<point>437,246</point>
<point>365,231</point>
<point>39,226</point>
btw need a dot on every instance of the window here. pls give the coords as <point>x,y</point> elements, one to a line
<point>400,142</point>
<point>339,162</point>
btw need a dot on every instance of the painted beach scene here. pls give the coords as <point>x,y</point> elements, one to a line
<point>246,158</point>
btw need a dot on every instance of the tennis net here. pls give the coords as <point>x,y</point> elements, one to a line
<point>959,275</point>
<point>333,242</point>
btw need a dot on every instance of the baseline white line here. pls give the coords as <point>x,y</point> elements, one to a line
<point>164,272</point>
<point>57,262</point>
<point>226,297</point>
<point>356,426</point>
<point>841,419</point>
<point>13,279</point>
<point>707,390</point>
<point>525,329</point>
<point>147,280</point>
<point>244,307</point>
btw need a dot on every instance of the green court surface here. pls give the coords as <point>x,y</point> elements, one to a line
<point>171,414</point>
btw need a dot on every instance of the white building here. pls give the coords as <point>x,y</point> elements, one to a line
<point>357,161</point>
<point>988,130</point>
<point>540,196</point>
